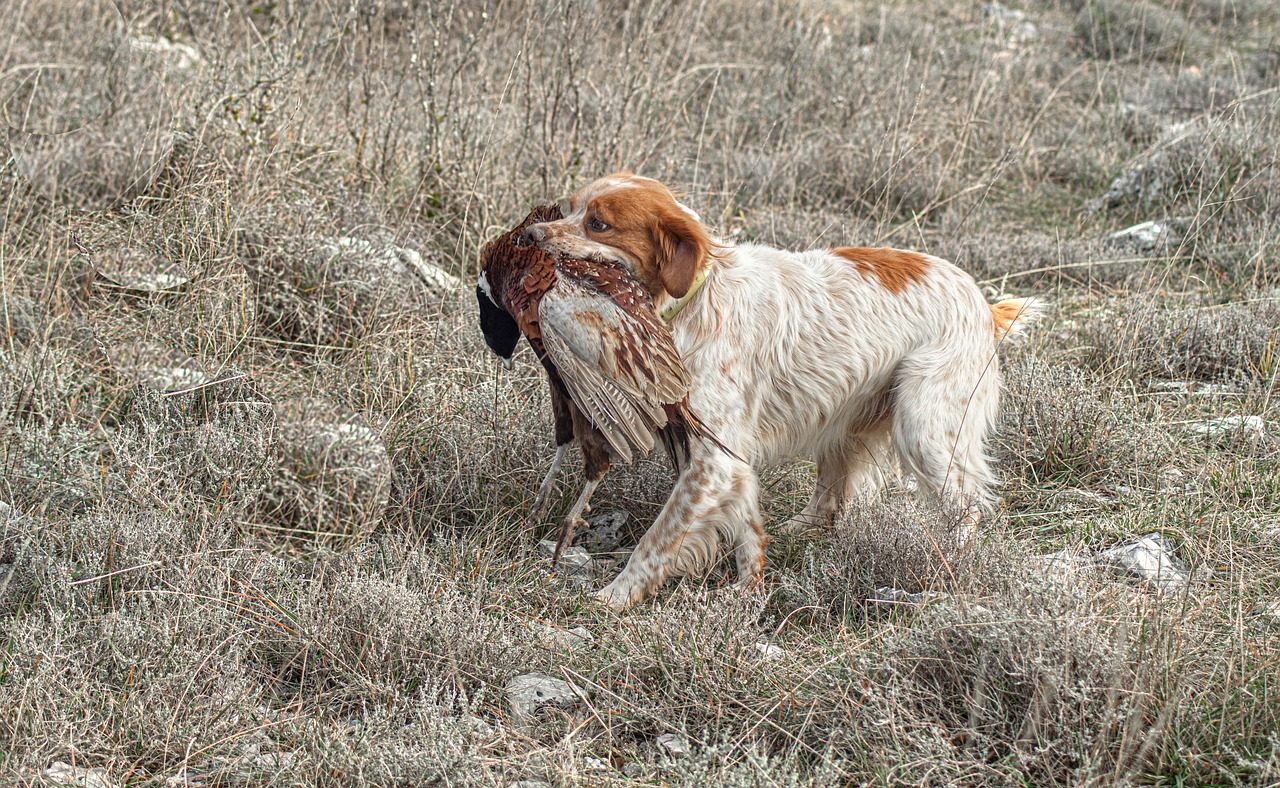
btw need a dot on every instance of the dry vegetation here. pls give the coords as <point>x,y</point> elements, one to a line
<point>262,481</point>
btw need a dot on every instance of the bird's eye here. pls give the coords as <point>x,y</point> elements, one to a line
<point>596,226</point>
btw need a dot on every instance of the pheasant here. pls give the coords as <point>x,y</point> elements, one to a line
<point>616,378</point>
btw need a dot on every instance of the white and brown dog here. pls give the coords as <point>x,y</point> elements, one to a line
<point>838,355</point>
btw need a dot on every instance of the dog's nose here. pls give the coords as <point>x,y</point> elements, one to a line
<point>534,234</point>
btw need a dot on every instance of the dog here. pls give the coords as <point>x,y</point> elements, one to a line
<point>844,356</point>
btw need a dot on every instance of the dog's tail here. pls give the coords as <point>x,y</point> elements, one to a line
<point>1012,317</point>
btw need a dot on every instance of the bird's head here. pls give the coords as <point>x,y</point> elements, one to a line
<point>501,333</point>
<point>503,263</point>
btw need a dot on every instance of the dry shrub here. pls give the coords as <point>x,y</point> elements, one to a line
<point>331,488</point>
<point>334,292</point>
<point>1062,424</point>
<point>95,121</point>
<point>1142,338</point>
<point>1011,677</point>
<point>149,635</point>
<point>1122,30</point>
<point>1039,264</point>
<point>895,541</point>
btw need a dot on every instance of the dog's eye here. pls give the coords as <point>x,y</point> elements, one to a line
<point>596,226</point>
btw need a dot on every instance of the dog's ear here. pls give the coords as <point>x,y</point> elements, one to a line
<point>682,246</point>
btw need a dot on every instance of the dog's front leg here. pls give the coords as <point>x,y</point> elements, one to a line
<point>714,494</point>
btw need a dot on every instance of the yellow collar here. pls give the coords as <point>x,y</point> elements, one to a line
<point>673,308</point>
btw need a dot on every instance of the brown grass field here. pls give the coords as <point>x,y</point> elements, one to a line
<point>262,485</point>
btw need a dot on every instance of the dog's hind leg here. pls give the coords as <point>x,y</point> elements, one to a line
<point>944,407</point>
<point>852,469</point>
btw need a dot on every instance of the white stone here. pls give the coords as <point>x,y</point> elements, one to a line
<point>887,596</point>
<point>1061,562</point>
<point>595,764</point>
<point>575,560</point>
<point>1002,12</point>
<point>145,282</point>
<point>529,692</point>
<point>60,773</point>
<point>1150,560</point>
<point>1194,387</point>
<point>770,651</point>
<point>674,744</point>
<point>183,57</point>
<point>1269,612</point>
<point>1145,236</point>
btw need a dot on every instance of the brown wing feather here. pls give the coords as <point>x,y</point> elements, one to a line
<point>621,369</point>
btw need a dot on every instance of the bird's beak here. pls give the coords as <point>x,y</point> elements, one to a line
<point>507,363</point>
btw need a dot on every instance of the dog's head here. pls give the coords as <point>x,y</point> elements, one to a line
<point>634,221</point>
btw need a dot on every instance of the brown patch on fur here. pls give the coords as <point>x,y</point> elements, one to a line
<point>895,268</point>
<point>668,245</point>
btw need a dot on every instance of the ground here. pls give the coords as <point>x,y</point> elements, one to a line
<point>264,486</point>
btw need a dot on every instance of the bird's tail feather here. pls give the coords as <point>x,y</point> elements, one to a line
<point>682,425</point>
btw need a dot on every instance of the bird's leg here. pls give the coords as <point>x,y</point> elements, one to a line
<point>562,410</point>
<point>543,501</point>
<point>595,461</point>
<point>570,522</point>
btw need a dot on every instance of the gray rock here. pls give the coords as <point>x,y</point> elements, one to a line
<point>575,561</point>
<point>1143,182</point>
<point>61,773</point>
<point>175,55</point>
<point>529,692</point>
<point>1002,12</point>
<point>886,596</point>
<point>675,745</point>
<point>1150,560</point>
<point>632,769</point>
<point>165,369</point>
<point>1062,562</point>
<point>604,531</point>
<point>576,638</point>
<point>138,270</point>
<point>1194,387</point>
<point>1269,612</point>
<point>1224,429</point>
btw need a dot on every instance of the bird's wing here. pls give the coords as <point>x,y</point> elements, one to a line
<point>620,366</point>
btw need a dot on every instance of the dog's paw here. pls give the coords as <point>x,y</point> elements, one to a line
<point>614,597</point>
<point>804,526</point>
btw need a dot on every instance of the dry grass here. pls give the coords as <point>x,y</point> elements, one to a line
<point>262,481</point>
